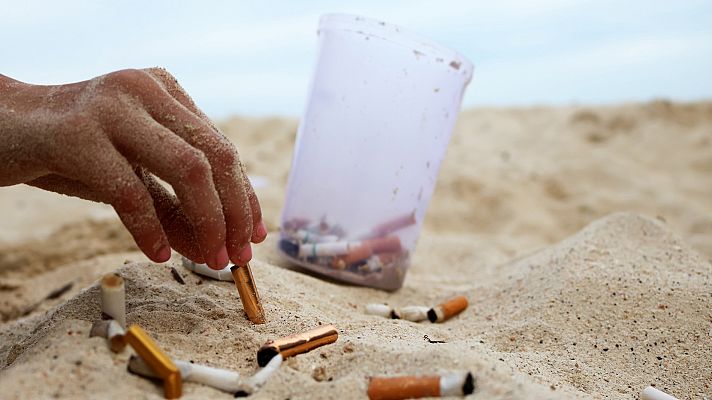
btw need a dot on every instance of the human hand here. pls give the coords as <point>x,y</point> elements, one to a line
<point>104,140</point>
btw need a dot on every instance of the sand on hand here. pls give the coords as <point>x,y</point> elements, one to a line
<point>568,296</point>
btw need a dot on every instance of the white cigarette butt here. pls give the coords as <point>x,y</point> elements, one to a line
<point>201,269</point>
<point>456,384</point>
<point>325,249</point>
<point>381,310</point>
<point>651,393</point>
<point>221,379</point>
<point>413,313</point>
<point>113,298</point>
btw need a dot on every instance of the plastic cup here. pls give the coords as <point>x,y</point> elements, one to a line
<point>381,109</point>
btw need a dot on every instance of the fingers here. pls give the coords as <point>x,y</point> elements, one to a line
<point>175,223</point>
<point>187,170</point>
<point>240,207</point>
<point>113,180</point>
<point>171,85</point>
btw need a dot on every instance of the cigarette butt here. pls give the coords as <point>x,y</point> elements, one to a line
<point>256,381</point>
<point>413,387</point>
<point>354,255</point>
<point>325,249</point>
<point>297,344</point>
<point>305,236</point>
<point>394,224</point>
<point>201,269</point>
<point>382,310</point>
<point>651,393</point>
<point>387,258</point>
<point>159,362</point>
<point>111,331</point>
<point>448,309</point>
<point>373,264</point>
<point>413,313</point>
<point>388,244</point>
<point>249,296</point>
<point>113,298</point>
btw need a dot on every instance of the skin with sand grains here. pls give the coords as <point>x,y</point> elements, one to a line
<point>107,138</point>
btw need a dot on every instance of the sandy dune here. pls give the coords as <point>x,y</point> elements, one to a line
<point>581,235</point>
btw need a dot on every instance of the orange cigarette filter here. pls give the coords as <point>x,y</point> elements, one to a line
<point>413,387</point>
<point>159,362</point>
<point>297,344</point>
<point>354,255</point>
<point>384,245</point>
<point>395,224</point>
<point>245,283</point>
<point>403,387</point>
<point>448,309</point>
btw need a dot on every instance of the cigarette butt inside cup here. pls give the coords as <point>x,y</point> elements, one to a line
<point>355,254</point>
<point>245,283</point>
<point>448,309</point>
<point>388,244</point>
<point>297,344</point>
<point>395,224</point>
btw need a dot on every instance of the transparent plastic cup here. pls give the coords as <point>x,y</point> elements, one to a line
<point>381,109</point>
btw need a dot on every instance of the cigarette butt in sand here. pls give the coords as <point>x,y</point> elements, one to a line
<point>113,298</point>
<point>413,313</point>
<point>448,309</point>
<point>297,344</point>
<point>220,274</point>
<point>651,393</point>
<point>325,249</point>
<point>413,387</point>
<point>111,331</point>
<point>245,283</point>
<point>354,255</point>
<point>388,244</point>
<point>381,310</point>
<point>159,362</point>
<point>256,381</point>
<point>221,379</point>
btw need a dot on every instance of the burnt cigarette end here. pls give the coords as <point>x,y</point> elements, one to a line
<point>394,315</point>
<point>469,385</point>
<point>432,315</point>
<point>112,280</point>
<point>241,393</point>
<point>265,354</point>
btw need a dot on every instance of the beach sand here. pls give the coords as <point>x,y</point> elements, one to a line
<point>582,237</point>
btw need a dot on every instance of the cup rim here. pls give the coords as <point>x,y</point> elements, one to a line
<point>398,35</point>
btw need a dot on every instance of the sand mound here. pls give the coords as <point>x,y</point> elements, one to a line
<point>619,306</point>
<point>601,314</point>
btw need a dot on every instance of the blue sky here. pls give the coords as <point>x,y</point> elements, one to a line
<point>255,57</point>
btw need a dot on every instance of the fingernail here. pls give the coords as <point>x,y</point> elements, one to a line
<point>164,254</point>
<point>245,254</point>
<point>222,258</point>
